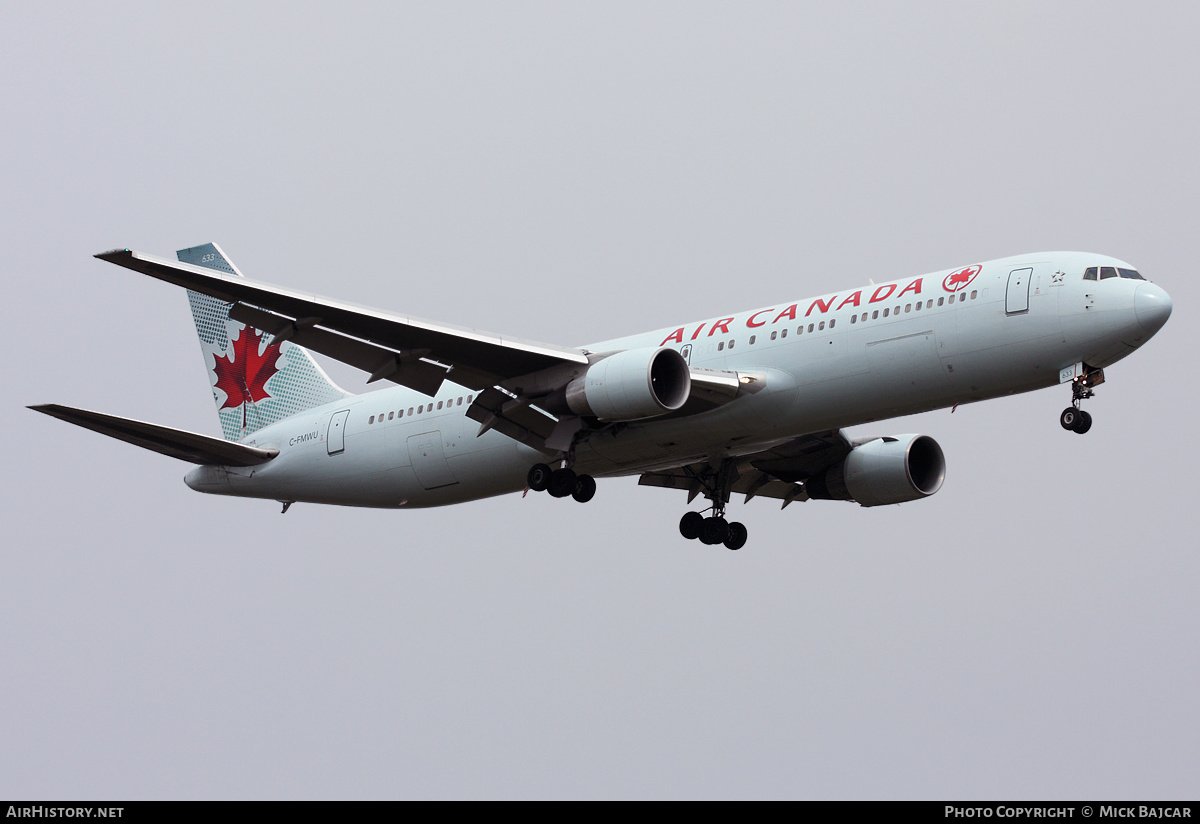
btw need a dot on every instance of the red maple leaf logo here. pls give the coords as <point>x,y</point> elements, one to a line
<point>958,280</point>
<point>244,375</point>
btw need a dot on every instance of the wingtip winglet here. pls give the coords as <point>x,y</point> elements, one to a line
<point>112,254</point>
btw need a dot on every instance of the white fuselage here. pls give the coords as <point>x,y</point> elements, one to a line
<point>848,358</point>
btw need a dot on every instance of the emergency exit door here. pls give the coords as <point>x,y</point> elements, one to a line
<point>335,439</point>
<point>1016,299</point>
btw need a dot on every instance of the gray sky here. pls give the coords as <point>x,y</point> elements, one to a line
<point>565,173</point>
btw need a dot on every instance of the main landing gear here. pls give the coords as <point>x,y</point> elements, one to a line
<point>714,529</point>
<point>561,482</point>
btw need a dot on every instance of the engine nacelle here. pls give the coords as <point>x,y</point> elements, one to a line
<point>883,471</point>
<point>631,385</point>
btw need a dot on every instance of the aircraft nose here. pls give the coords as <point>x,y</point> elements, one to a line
<point>1153,306</point>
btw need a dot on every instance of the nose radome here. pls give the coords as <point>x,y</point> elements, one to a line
<point>1153,306</point>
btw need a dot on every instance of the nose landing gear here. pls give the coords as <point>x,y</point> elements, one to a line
<point>1083,379</point>
<point>1075,420</point>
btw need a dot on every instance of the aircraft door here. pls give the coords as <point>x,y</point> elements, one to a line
<point>1016,300</point>
<point>335,439</point>
<point>429,460</point>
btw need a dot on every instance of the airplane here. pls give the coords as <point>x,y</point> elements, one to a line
<point>753,403</point>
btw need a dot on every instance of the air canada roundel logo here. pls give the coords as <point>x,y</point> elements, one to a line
<point>961,279</point>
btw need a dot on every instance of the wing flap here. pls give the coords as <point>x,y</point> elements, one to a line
<point>477,353</point>
<point>405,368</point>
<point>186,446</point>
<point>777,473</point>
<point>512,416</point>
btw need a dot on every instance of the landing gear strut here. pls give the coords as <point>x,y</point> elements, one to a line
<point>714,529</point>
<point>561,483</point>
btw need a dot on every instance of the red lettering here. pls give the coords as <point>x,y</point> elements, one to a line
<point>891,287</point>
<point>852,300</point>
<point>915,286</point>
<point>676,336</point>
<point>823,304</point>
<point>696,334</point>
<point>789,312</point>
<point>722,324</point>
<point>750,320</point>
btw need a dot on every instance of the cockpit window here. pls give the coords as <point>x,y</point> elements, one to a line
<point>1130,273</point>
<point>1090,274</point>
<point>1107,272</point>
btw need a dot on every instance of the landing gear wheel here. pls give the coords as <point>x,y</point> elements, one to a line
<point>538,478</point>
<point>690,525</point>
<point>585,488</point>
<point>736,539</point>
<point>1069,418</point>
<point>1083,423</point>
<point>562,483</point>
<point>714,531</point>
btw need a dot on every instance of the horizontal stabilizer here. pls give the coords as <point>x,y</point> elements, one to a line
<point>187,446</point>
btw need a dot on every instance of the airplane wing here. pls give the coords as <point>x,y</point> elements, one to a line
<point>416,353</point>
<point>187,446</point>
<point>773,473</point>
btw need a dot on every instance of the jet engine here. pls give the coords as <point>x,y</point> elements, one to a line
<point>631,385</point>
<point>883,471</point>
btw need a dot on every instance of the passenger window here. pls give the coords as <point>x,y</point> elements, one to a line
<point>875,315</point>
<point>929,304</point>
<point>439,404</point>
<point>420,409</point>
<point>832,322</point>
<point>1090,273</point>
<point>469,398</point>
<point>410,410</point>
<point>974,292</point>
<point>783,334</point>
<point>459,401</point>
<point>773,334</point>
<point>752,337</point>
<point>907,308</point>
<point>810,327</point>
<point>1107,272</point>
<point>400,414</point>
<point>731,343</point>
<point>799,330</point>
<point>941,301</point>
<point>371,420</point>
<point>721,346</point>
<point>885,312</point>
<point>821,327</point>
<point>952,298</point>
<point>854,318</point>
<point>391,415</point>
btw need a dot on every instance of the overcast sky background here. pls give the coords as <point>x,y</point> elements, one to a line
<point>568,173</point>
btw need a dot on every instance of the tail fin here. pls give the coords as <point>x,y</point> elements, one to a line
<point>255,381</point>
